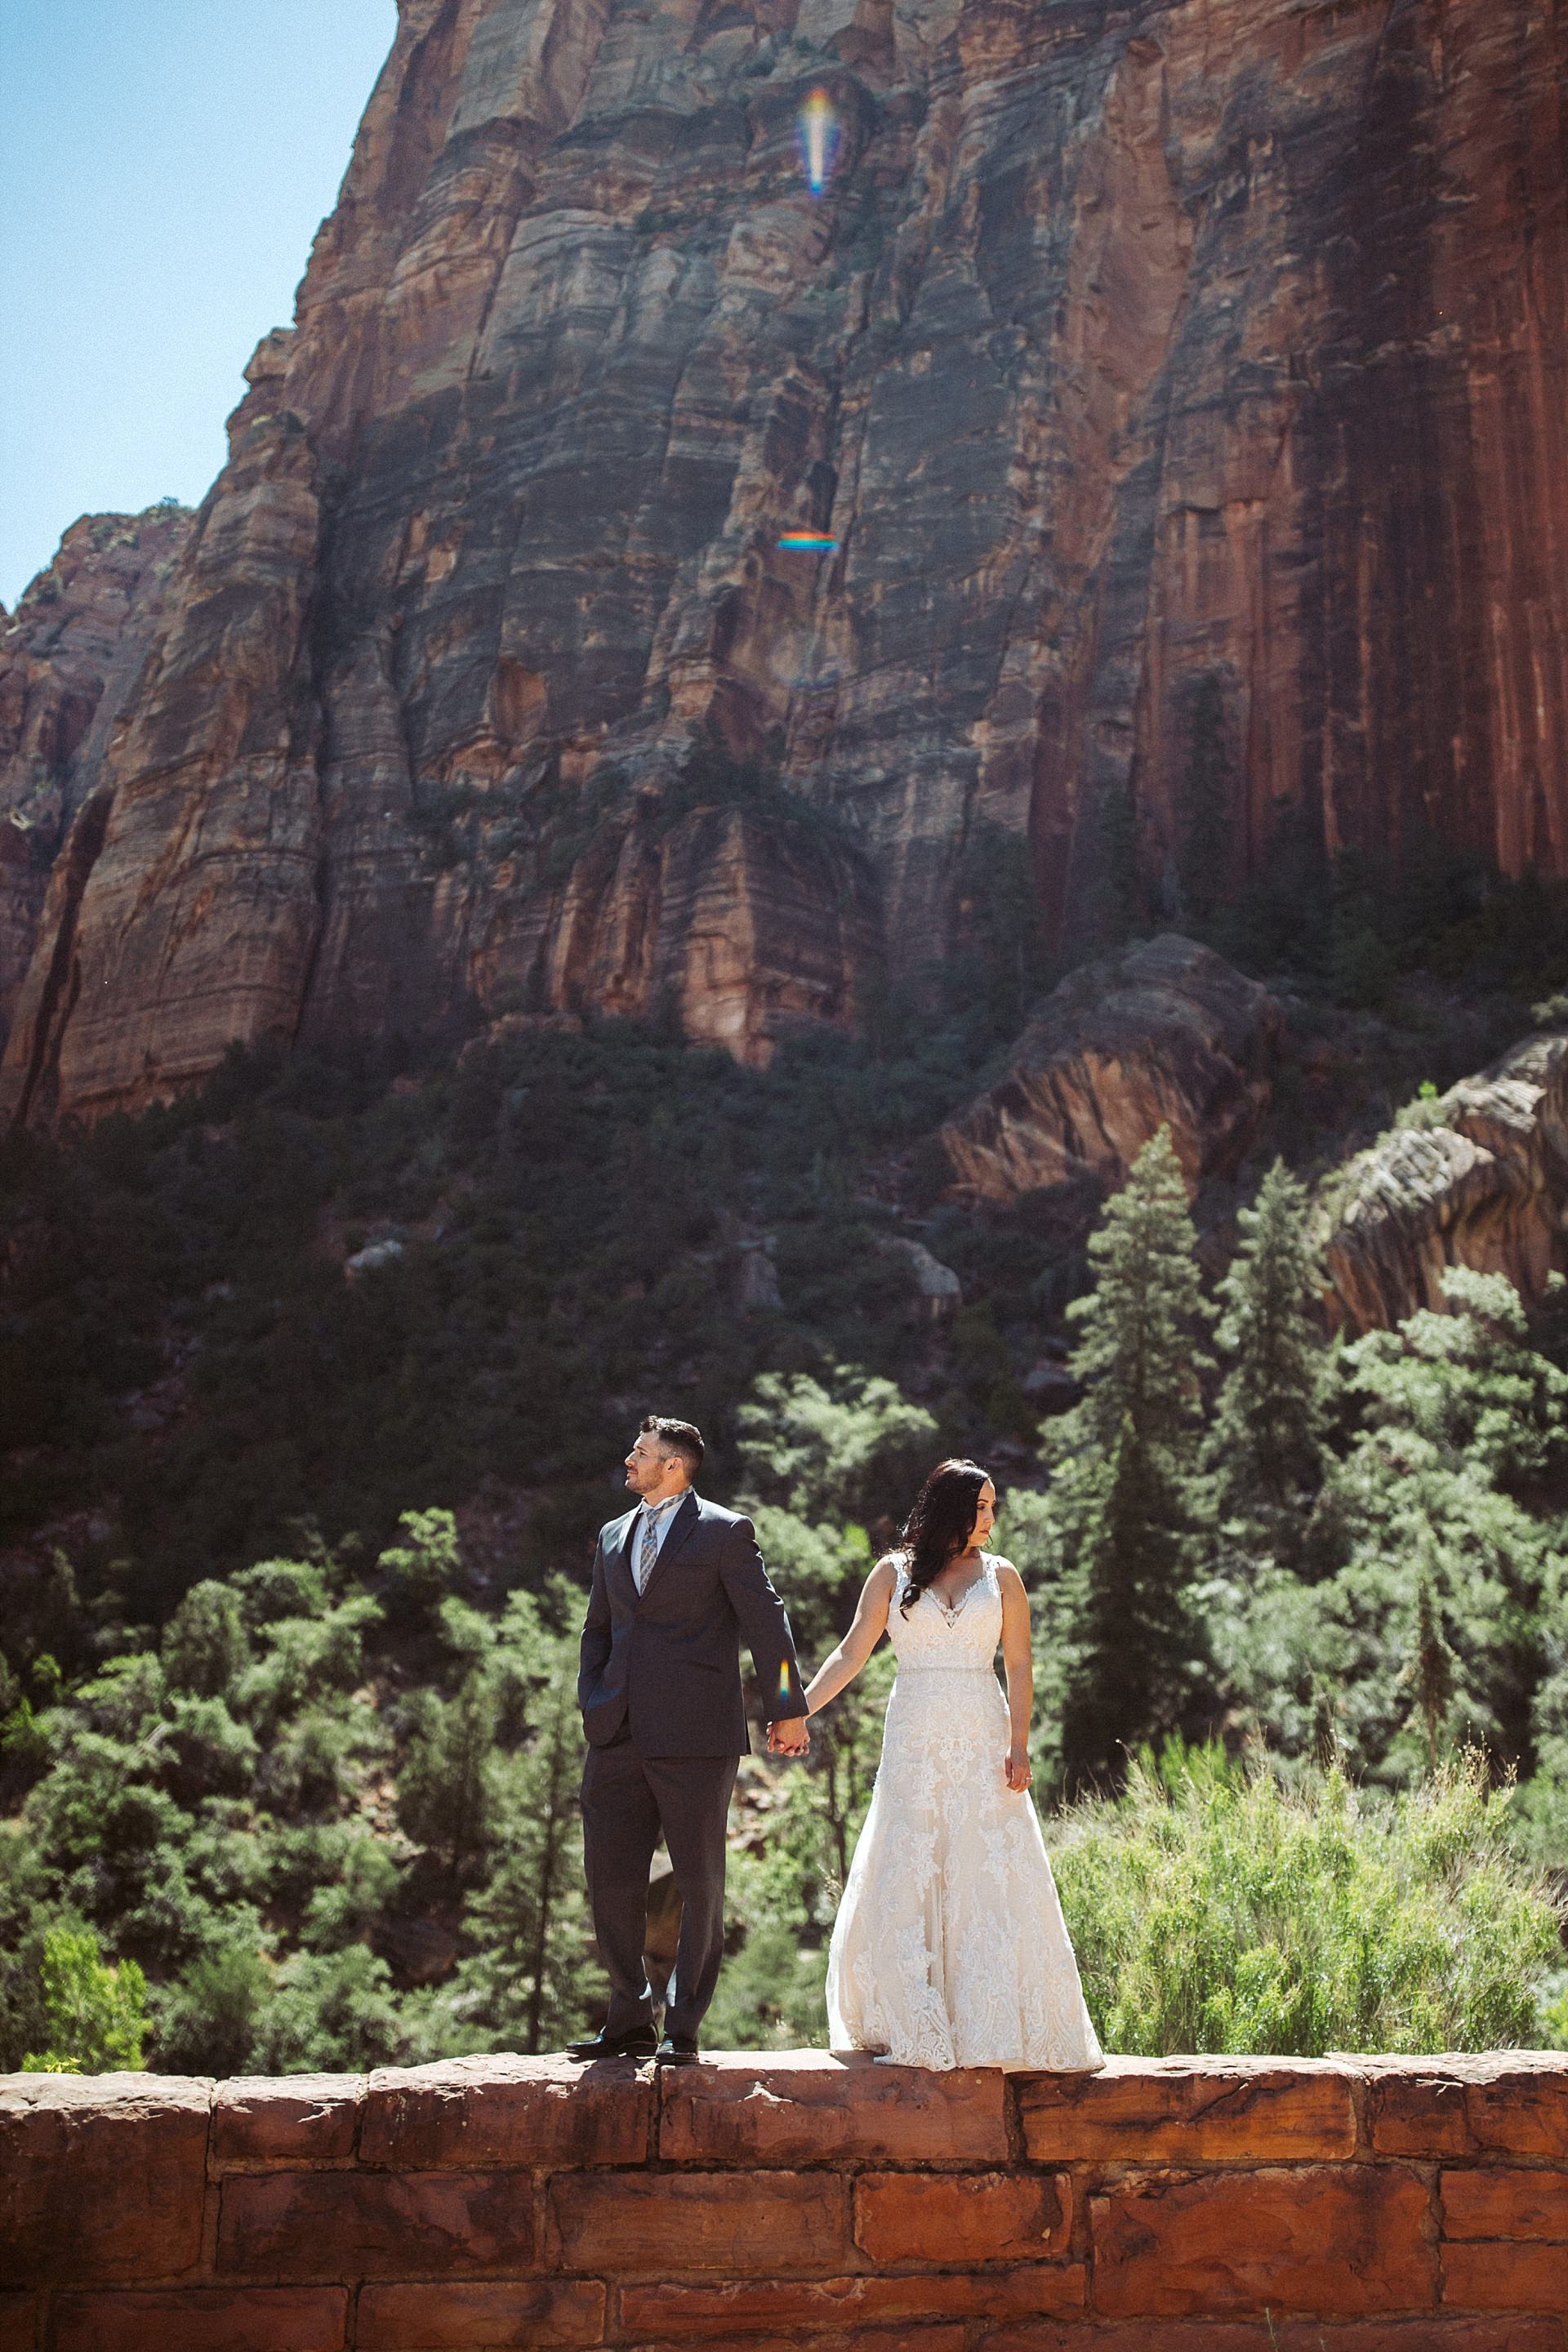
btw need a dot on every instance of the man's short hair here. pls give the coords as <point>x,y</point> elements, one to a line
<point>682,1437</point>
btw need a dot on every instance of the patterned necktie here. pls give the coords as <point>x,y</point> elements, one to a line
<point>648,1552</point>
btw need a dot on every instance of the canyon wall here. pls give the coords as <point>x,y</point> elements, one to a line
<point>69,657</point>
<point>1185,2205</point>
<point>1131,349</point>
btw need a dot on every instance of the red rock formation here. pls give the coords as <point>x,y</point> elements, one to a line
<point>1483,1183</point>
<point>1130,347</point>
<point>1167,1035</point>
<point>67,658</point>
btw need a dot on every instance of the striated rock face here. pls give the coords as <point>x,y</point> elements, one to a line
<point>1485,1185</point>
<point>1167,1035</point>
<point>1130,347</point>
<point>68,659</point>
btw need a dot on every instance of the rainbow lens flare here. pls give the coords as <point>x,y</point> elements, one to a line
<point>817,135</point>
<point>785,1696</point>
<point>807,542</point>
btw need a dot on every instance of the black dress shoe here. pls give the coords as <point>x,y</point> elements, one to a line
<point>676,2050</point>
<point>637,2042</point>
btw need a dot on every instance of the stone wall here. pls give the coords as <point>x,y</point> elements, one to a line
<point>1186,2206</point>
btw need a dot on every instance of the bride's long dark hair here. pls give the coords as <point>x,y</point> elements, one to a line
<point>939,1526</point>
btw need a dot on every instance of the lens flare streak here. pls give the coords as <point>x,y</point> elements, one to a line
<point>817,133</point>
<point>807,542</point>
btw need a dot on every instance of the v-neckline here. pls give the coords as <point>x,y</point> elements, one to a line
<point>952,1616</point>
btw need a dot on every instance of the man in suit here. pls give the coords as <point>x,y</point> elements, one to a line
<point>678,1584</point>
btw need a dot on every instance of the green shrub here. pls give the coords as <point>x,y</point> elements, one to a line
<point>1214,1908</point>
<point>96,2014</point>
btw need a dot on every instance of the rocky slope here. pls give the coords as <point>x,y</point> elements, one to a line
<point>1169,1035</point>
<point>1129,348</point>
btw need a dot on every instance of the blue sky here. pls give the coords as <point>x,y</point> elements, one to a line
<point>163,166</point>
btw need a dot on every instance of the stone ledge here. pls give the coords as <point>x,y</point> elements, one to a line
<point>1188,2205</point>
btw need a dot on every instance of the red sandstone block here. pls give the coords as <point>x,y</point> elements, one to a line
<point>962,2217</point>
<point>665,2221</point>
<point>805,2107</point>
<point>1191,2111</point>
<point>1140,2335</point>
<point>204,2319</point>
<point>736,2309</point>
<point>293,2118</point>
<point>1505,2203</point>
<point>1423,2335</point>
<point>1520,2107</point>
<point>1510,2103</point>
<point>1417,2108</point>
<point>450,2318</point>
<point>1339,2240</point>
<point>1492,2335</point>
<point>18,2323</point>
<point>1489,2276</point>
<point>101,2176</point>
<point>911,2339</point>
<point>497,2111</point>
<point>349,2225</point>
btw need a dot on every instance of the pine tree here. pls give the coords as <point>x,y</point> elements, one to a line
<point>1266,1447</point>
<point>1127,1491</point>
<point>1118,895</point>
<point>1433,1666</point>
<point>532,1980</point>
<point>1204,812</point>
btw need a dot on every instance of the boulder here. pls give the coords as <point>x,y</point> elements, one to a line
<point>1168,1035</point>
<point>1481,1182</point>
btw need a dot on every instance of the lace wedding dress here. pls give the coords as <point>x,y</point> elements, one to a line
<point>950,1948</point>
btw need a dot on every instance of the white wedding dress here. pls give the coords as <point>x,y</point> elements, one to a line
<point>950,1948</point>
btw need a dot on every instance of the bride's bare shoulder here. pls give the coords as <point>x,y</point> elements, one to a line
<point>1007,1574</point>
<point>885,1571</point>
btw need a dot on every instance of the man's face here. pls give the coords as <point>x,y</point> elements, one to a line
<point>651,1471</point>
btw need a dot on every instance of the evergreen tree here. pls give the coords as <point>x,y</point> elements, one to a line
<point>1264,1450</point>
<point>97,2013</point>
<point>1203,814</point>
<point>445,1794</point>
<point>530,1979</point>
<point>1431,1668</point>
<point>1127,1491</point>
<point>1106,906</point>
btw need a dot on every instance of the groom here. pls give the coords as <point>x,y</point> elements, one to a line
<point>677,1583</point>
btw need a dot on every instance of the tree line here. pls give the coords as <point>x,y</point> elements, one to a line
<point>1300,1625</point>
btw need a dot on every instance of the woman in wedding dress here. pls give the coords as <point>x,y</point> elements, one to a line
<point>950,1948</point>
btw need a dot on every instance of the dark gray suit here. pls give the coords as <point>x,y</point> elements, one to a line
<point>662,1707</point>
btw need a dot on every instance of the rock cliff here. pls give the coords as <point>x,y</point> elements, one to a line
<point>1130,350</point>
<point>1482,1181</point>
<point>69,657</point>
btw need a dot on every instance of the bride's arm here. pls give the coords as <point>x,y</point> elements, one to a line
<point>844,1664</point>
<point>1018,1657</point>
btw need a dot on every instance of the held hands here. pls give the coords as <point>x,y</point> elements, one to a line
<point>789,1737</point>
<point>1018,1769</point>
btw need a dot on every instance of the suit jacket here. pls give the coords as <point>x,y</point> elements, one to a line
<point>669,1664</point>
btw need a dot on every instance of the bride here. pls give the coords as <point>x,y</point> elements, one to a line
<point>950,1948</point>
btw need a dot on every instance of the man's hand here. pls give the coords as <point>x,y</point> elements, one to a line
<point>789,1737</point>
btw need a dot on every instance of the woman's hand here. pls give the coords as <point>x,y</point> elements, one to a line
<point>1020,1772</point>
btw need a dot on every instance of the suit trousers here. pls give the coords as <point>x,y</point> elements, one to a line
<point>627,1801</point>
